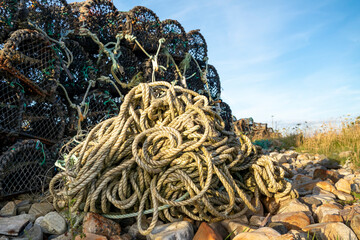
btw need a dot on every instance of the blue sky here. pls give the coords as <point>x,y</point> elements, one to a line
<point>294,60</point>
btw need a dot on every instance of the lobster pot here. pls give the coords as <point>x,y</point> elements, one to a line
<point>54,17</point>
<point>102,18</point>
<point>169,74</point>
<point>145,26</point>
<point>11,105</point>
<point>25,167</point>
<point>102,106</point>
<point>32,58</point>
<point>8,15</point>
<point>76,78</point>
<point>197,46</point>
<point>43,120</point>
<point>193,77</point>
<point>175,38</point>
<point>213,82</point>
<point>226,115</point>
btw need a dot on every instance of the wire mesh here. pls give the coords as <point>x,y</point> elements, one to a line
<point>24,167</point>
<point>213,82</point>
<point>226,115</point>
<point>53,16</point>
<point>145,26</point>
<point>100,17</point>
<point>8,16</point>
<point>175,35</point>
<point>31,57</point>
<point>11,104</point>
<point>76,78</point>
<point>197,46</point>
<point>193,77</point>
<point>43,120</point>
<point>169,74</point>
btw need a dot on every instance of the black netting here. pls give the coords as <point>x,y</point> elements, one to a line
<point>169,74</point>
<point>32,58</point>
<point>8,17</point>
<point>226,115</point>
<point>175,36</point>
<point>76,78</point>
<point>129,65</point>
<point>193,77</point>
<point>11,104</point>
<point>44,120</point>
<point>213,82</point>
<point>197,46</point>
<point>54,17</point>
<point>145,26</point>
<point>100,17</point>
<point>25,166</point>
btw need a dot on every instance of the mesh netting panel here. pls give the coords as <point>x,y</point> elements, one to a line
<point>213,82</point>
<point>100,17</point>
<point>169,74</point>
<point>175,35</point>
<point>101,106</point>
<point>43,120</point>
<point>226,115</point>
<point>197,45</point>
<point>145,26</point>
<point>76,78</point>
<point>30,56</point>
<point>129,65</point>
<point>8,17</point>
<point>24,167</point>
<point>53,16</point>
<point>193,78</point>
<point>11,104</point>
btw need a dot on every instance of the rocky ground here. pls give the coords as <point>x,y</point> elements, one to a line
<point>328,208</point>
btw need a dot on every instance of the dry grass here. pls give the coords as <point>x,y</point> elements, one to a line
<point>331,141</point>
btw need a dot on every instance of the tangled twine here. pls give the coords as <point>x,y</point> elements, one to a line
<point>167,147</point>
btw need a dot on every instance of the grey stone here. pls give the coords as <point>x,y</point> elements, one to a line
<point>279,227</point>
<point>40,209</point>
<point>35,233</point>
<point>355,188</point>
<point>12,226</point>
<point>8,210</point>
<point>310,200</point>
<point>173,231</point>
<point>293,205</point>
<point>329,164</point>
<point>52,223</point>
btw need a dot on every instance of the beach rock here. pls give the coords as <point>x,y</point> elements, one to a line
<point>299,235</point>
<point>292,220</point>
<point>328,209</point>
<point>324,174</point>
<point>251,236</point>
<point>343,186</point>
<point>355,225</point>
<point>278,226</point>
<point>325,185</point>
<point>40,209</point>
<point>344,196</point>
<point>206,232</point>
<point>235,227</point>
<point>256,220</point>
<point>269,232</point>
<point>8,210</point>
<point>90,236</point>
<point>53,223</point>
<point>220,229</point>
<point>293,205</point>
<point>34,233</point>
<point>12,226</point>
<point>310,200</point>
<point>99,225</point>
<point>355,188</point>
<point>182,230</point>
<point>334,231</point>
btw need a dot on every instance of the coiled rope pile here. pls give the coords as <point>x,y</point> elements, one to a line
<point>167,147</point>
